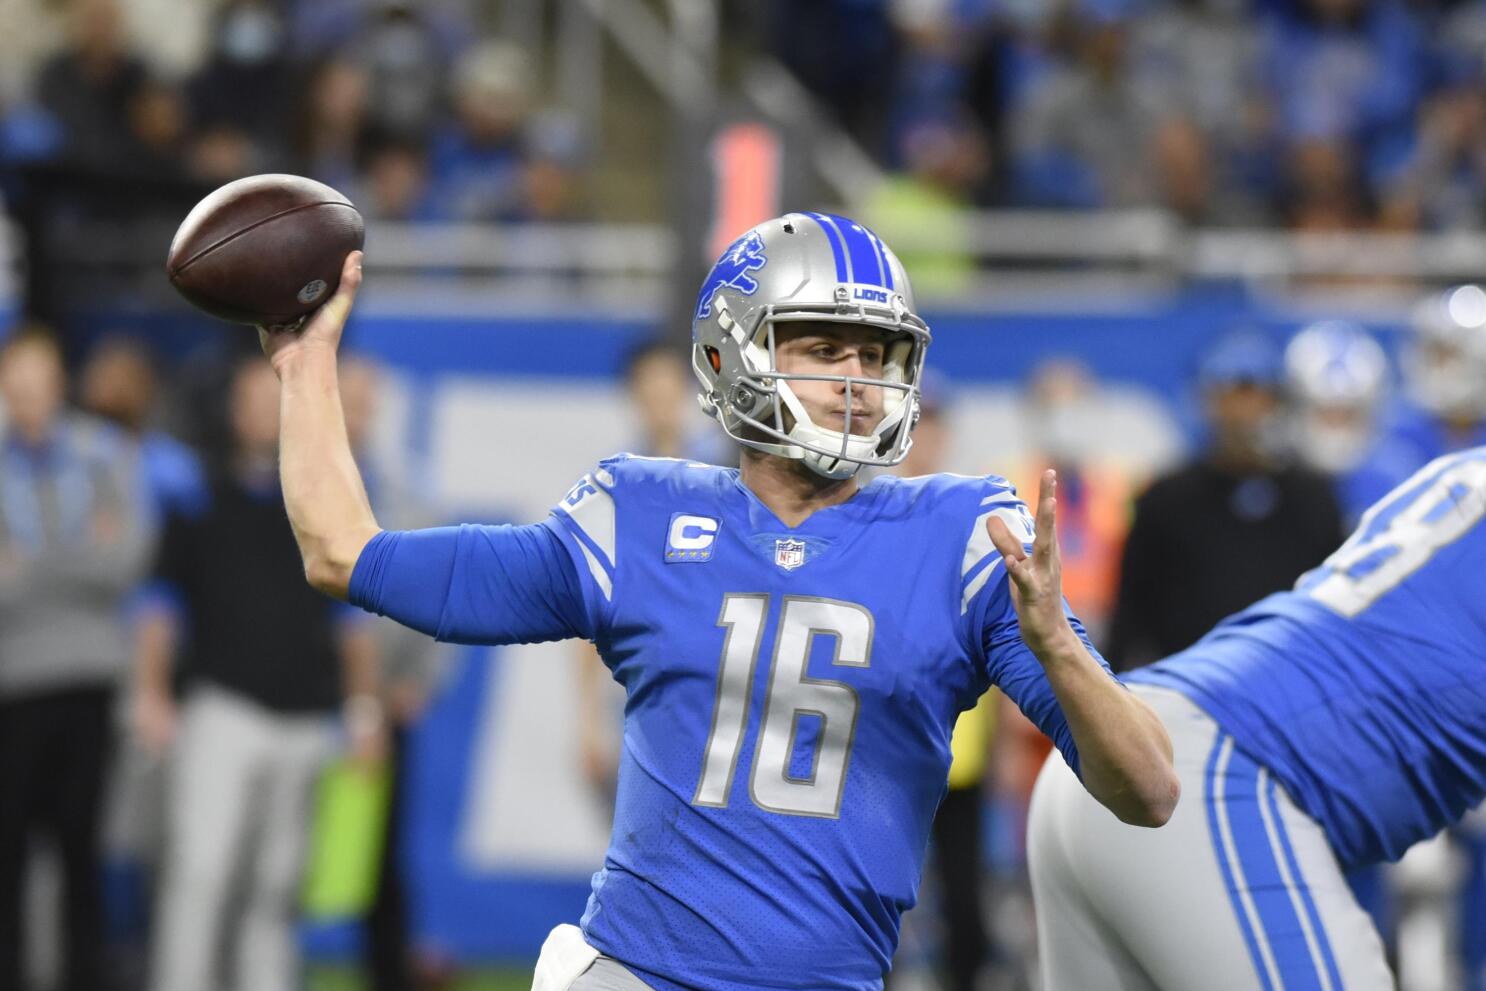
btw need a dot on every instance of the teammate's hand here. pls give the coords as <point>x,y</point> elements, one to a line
<point>1036,581</point>
<point>322,331</point>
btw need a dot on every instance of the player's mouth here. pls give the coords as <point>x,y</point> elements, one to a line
<point>861,419</point>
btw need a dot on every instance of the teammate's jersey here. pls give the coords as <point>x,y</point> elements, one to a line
<point>1364,689</point>
<point>1408,439</point>
<point>790,697</point>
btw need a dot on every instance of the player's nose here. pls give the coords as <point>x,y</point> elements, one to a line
<point>853,368</point>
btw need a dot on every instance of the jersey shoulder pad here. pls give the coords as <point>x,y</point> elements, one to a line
<point>627,487</point>
<point>638,469</point>
<point>949,495</point>
<point>970,502</point>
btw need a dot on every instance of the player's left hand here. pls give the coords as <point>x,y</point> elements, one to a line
<point>1036,580</point>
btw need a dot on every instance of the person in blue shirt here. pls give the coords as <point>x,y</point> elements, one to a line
<point>794,646</point>
<point>1322,730</point>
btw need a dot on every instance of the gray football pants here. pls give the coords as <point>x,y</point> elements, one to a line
<point>241,791</point>
<point>1239,891</point>
<point>609,975</point>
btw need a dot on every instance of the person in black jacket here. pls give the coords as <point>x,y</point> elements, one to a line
<point>267,664</point>
<point>1238,522</point>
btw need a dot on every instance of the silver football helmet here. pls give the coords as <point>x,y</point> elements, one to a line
<point>1444,364</point>
<point>806,267</point>
<point>1336,375</point>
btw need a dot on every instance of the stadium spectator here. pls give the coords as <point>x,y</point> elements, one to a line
<point>846,53</point>
<point>331,122</point>
<point>73,543</point>
<point>478,161</point>
<point>266,663</point>
<point>394,183</point>
<point>1233,525</point>
<point>244,89</point>
<point>991,56</point>
<point>554,187</point>
<point>88,86</point>
<point>119,382</point>
<point>1086,135</point>
<point>158,121</point>
<point>1204,55</point>
<point>1346,77</point>
<point>926,208</point>
<point>1322,188</point>
<point>406,56</point>
<point>931,67</point>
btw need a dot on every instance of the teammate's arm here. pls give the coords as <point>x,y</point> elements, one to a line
<point>323,492</point>
<point>1124,752</point>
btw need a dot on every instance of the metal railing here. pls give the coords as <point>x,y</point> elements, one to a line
<point>1014,257</point>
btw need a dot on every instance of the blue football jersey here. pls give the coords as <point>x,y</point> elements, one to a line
<point>790,698</point>
<point>1364,689</point>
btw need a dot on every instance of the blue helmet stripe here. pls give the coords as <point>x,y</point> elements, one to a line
<point>887,269</point>
<point>828,224</point>
<point>861,253</point>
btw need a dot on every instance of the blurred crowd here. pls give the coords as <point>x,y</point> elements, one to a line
<point>401,105</point>
<point>1309,114</point>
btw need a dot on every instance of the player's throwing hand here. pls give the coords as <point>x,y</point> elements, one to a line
<point>323,328</point>
<point>1036,581</point>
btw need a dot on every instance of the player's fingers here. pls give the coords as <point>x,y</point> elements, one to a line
<point>326,322</point>
<point>1045,543</point>
<point>345,294</point>
<point>1001,536</point>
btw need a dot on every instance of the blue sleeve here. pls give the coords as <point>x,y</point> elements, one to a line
<point>1011,666</point>
<point>473,584</point>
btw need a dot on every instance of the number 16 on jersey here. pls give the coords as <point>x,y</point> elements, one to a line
<point>791,696</point>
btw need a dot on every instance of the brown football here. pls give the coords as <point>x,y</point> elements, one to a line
<point>264,250</point>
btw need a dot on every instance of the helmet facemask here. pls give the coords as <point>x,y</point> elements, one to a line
<point>763,412</point>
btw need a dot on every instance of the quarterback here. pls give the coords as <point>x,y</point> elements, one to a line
<point>794,646</point>
<point>1321,730</point>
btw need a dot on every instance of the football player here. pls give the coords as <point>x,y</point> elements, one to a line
<point>1336,378</point>
<point>1322,730</point>
<point>794,646</point>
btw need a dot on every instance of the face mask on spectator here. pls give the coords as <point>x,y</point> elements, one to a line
<point>250,35</point>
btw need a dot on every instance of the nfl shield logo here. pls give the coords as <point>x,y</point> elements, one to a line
<point>789,554</point>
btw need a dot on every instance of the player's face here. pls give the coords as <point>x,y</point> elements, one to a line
<point>816,348</point>
<point>255,408</point>
<point>32,385</point>
<point>660,385</point>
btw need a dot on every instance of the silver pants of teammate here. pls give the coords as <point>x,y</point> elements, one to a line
<point>567,963</point>
<point>1239,891</point>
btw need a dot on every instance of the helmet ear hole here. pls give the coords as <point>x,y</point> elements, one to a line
<point>714,358</point>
